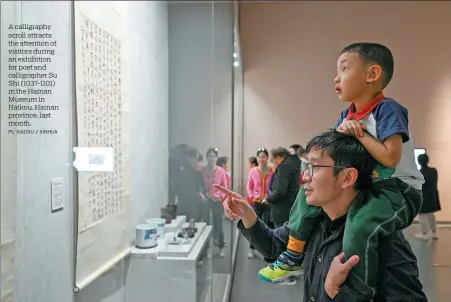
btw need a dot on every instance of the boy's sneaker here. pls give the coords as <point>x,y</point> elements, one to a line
<point>286,266</point>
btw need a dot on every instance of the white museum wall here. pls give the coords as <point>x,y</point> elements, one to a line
<point>201,66</point>
<point>8,163</point>
<point>45,240</point>
<point>45,247</point>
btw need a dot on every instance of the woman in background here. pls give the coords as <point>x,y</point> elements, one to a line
<point>212,174</point>
<point>251,164</point>
<point>257,184</point>
<point>223,162</point>
<point>431,201</point>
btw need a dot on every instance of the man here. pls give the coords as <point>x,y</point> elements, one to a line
<point>284,186</point>
<point>297,149</point>
<point>190,189</point>
<point>338,172</point>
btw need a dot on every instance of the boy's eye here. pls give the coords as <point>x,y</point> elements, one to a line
<point>344,69</point>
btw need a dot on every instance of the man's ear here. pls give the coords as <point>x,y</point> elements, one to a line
<point>374,73</point>
<point>350,176</point>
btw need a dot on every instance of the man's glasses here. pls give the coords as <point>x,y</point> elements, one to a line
<point>310,168</point>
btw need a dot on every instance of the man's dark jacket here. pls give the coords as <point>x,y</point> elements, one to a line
<point>285,187</point>
<point>398,271</point>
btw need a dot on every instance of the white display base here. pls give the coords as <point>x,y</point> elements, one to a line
<point>152,277</point>
<point>164,249</point>
<point>175,224</point>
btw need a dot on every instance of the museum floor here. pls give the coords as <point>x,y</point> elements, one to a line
<point>434,261</point>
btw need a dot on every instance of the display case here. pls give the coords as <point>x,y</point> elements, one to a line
<point>170,272</point>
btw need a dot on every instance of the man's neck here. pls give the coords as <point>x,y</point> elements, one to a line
<point>340,206</point>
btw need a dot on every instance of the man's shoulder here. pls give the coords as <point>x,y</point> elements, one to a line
<point>394,242</point>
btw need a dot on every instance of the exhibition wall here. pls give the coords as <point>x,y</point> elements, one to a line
<point>45,240</point>
<point>175,75</point>
<point>290,52</point>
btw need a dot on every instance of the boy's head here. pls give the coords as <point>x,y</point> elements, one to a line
<point>361,68</point>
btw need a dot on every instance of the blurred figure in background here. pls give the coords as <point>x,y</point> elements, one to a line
<point>212,174</point>
<point>223,162</point>
<point>431,200</point>
<point>285,185</point>
<point>251,164</point>
<point>298,150</point>
<point>257,183</point>
<point>190,188</point>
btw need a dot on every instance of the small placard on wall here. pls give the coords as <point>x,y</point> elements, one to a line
<point>88,159</point>
<point>57,198</point>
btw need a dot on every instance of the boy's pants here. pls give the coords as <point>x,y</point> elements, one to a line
<point>391,204</point>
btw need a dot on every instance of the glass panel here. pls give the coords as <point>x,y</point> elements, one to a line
<point>200,125</point>
<point>239,160</point>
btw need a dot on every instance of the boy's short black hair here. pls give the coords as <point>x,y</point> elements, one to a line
<point>375,53</point>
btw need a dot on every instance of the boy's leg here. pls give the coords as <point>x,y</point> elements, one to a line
<point>391,205</point>
<point>302,222</point>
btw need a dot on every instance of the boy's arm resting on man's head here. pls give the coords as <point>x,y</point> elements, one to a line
<point>392,128</point>
<point>269,242</point>
<point>387,153</point>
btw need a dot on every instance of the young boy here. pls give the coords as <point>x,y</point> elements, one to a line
<point>381,125</point>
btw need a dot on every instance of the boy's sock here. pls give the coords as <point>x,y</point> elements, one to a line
<point>286,266</point>
<point>295,246</point>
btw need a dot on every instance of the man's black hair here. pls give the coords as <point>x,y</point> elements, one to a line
<point>280,152</point>
<point>346,151</point>
<point>375,53</point>
<point>298,149</point>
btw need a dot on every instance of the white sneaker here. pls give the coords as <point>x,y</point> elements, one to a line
<point>221,253</point>
<point>421,236</point>
<point>251,254</point>
<point>434,235</point>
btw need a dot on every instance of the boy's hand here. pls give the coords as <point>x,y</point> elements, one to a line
<point>352,127</point>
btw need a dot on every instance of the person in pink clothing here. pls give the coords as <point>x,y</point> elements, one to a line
<point>212,174</point>
<point>257,188</point>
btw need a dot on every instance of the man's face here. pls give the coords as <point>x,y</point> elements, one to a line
<point>351,79</point>
<point>276,161</point>
<point>323,187</point>
<point>292,151</point>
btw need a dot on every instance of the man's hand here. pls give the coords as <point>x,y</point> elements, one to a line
<point>338,272</point>
<point>352,127</point>
<point>237,207</point>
